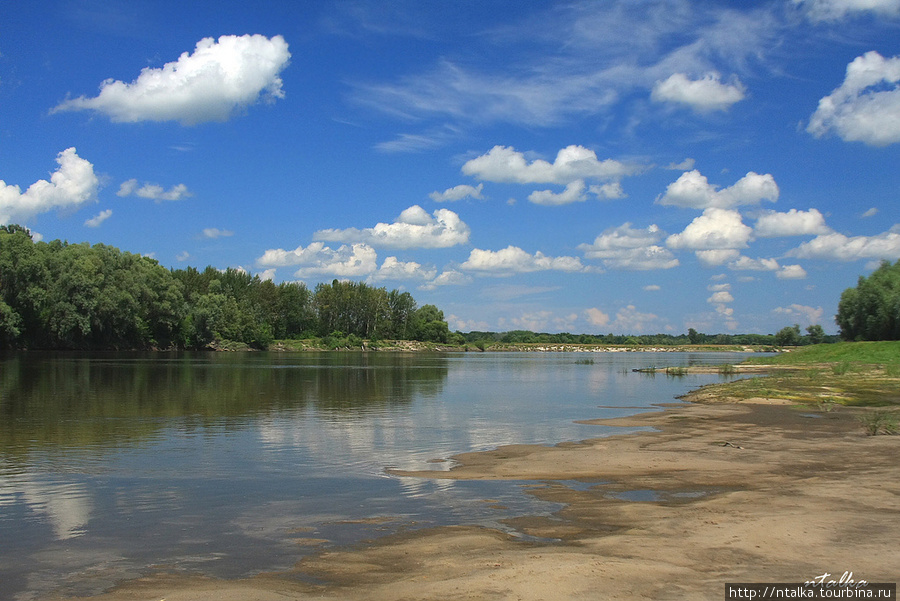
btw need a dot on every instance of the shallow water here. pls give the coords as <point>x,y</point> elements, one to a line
<point>112,465</point>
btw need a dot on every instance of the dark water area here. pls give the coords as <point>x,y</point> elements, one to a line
<point>113,465</point>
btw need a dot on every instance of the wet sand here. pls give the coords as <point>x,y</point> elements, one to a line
<point>756,491</point>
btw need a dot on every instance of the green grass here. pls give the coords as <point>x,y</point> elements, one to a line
<point>826,376</point>
<point>885,353</point>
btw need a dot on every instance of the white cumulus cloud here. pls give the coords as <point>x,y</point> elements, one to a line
<point>414,228</point>
<point>793,223</point>
<point>718,256</point>
<point>791,272</point>
<point>357,260</point>
<point>702,95</point>
<point>394,269</point>
<point>220,78</point>
<point>811,315</point>
<point>458,193</point>
<point>692,190</point>
<point>574,192</point>
<point>513,259</point>
<point>625,247</point>
<point>715,229</point>
<point>596,317</point>
<point>449,277</point>
<point>722,296</point>
<point>747,264</point>
<point>71,185</point>
<point>317,259</point>
<point>506,165</point>
<point>839,247</point>
<point>866,107</point>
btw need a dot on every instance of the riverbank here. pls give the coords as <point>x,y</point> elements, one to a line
<point>750,491</point>
<point>416,346</point>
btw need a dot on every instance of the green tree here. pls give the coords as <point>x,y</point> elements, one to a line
<point>816,334</point>
<point>871,311</point>
<point>788,336</point>
<point>430,325</point>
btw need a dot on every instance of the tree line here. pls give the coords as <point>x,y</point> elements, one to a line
<point>815,335</point>
<point>56,295</point>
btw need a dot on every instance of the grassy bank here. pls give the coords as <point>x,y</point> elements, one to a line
<point>852,375</point>
<point>881,353</point>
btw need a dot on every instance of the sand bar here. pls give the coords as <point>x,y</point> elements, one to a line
<point>738,492</point>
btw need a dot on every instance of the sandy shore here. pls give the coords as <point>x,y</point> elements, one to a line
<point>750,492</point>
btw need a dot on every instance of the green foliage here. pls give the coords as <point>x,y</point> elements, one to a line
<point>430,325</point>
<point>871,311</point>
<point>76,296</point>
<point>816,334</point>
<point>788,336</point>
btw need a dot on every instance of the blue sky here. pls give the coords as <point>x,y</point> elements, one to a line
<point>627,167</point>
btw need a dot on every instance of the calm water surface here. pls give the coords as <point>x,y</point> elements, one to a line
<point>113,465</point>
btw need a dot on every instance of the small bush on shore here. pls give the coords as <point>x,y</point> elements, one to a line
<point>880,422</point>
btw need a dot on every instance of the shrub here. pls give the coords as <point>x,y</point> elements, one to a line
<point>880,422</point>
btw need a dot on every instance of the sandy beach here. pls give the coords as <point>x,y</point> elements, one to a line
<point>756,491</point>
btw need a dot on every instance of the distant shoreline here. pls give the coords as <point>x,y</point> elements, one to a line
<point>530,347</point>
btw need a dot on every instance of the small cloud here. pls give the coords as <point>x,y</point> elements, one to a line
<point>747,264</point>
<point>608,191</point>
<point>506,165</point>
<point>652,288</point>
<point>394,269</point>
<point>685,165</point>
<point>702,95</point>
<point>574,192</point>
<point>513,259</point>
<point>809,314</point>
<point>153,191</point>
<point>722,296</point>
<point>450,277</point>
<point>793,223</point>
<point>693,191</point>
<point>458,193</point>
<point>715,229</point>
<point>791,272</point>
<point>870,213</point>
<point>625,247</point>
<point>99,218</point>
<point>214,232</point>
<point>596,317</point>
<point>414,228</point>
<point>183,256</point>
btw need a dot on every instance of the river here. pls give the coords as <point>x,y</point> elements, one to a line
<point>114,465</point>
